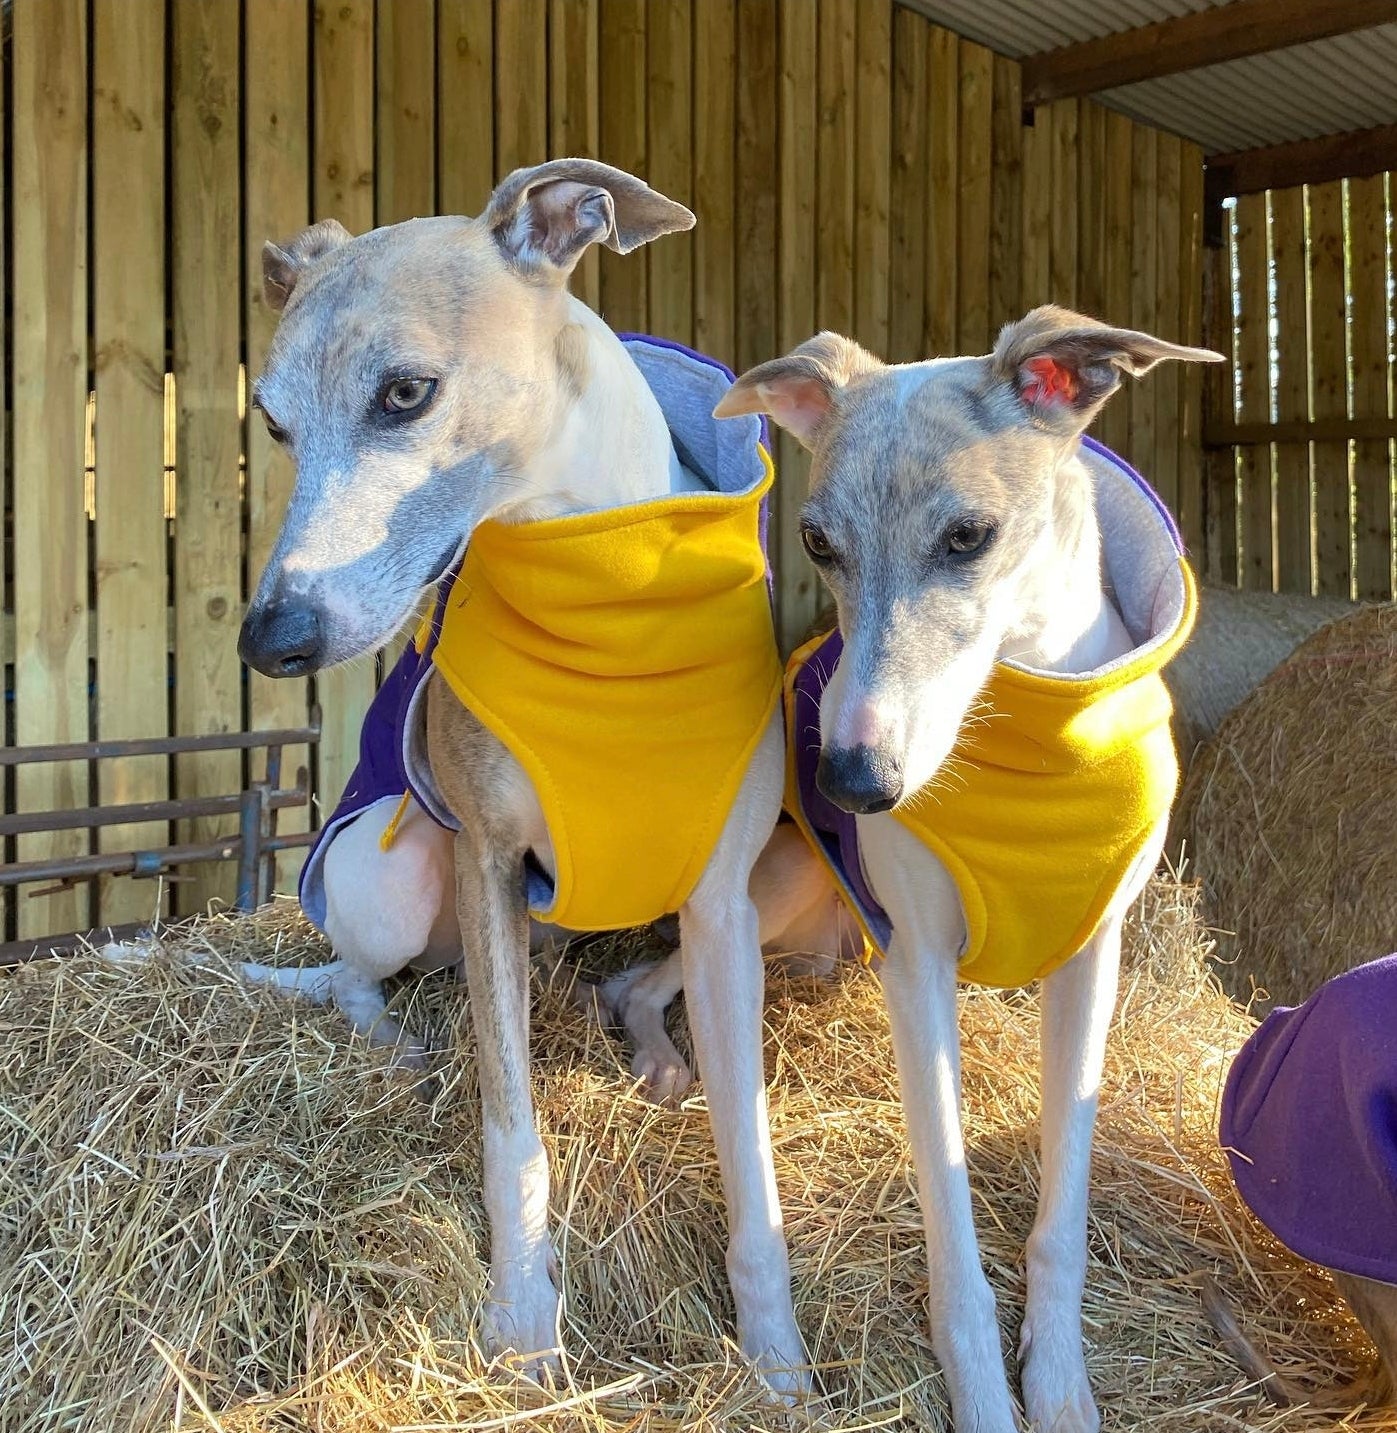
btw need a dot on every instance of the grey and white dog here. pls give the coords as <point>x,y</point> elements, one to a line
<point>426,377</point>
<point>954,520</point>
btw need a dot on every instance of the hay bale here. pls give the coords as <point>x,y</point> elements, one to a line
<point>1240,638</point>
<point>1287,816</point>
<point>218,1209</point>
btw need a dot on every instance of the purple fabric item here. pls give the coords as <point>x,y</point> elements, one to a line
<point>1309,1123</point>
<point>835,829</point>
<point>384,769</point>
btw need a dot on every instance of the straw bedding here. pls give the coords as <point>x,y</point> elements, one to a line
<point>218,1210</point>
<point>1288,814</point>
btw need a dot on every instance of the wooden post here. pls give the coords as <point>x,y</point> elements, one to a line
<point>1254,368</point>
<point>975,123</point>
<point>1329,388</point>
<point>624,294</point>
<point>49,59</point>
<point>669,98</point>
<point>465,119</point>
<point>128,254</point>
<point>575,108</point>
<point>1294,527</point>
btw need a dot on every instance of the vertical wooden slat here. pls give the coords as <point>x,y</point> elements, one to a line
<point>1254,393</point>
<point>756,197</point>
<point>1294,535</point>
<point>834,216</point>
<point>1144,190</point>
<point>1062,271</point>
<point>1117,228</point>
<point>714,121</point>
<point>669,95</point>
<point>1091,212</point>
<point>624,296</point>
<point>1191,333</point>
<point>342,187</point>
<point>1164,463</point>
<point>908,197</point>
<point>797,590</point>
<point>466,102</point>
<point>405,169</point>
<point>1006,195</point>
<point>574,109</point>
<point>207,327</point>
<point>943,224</point>
<point>973,198</point>
<point>1036,248</point>
<point>873,90</point>
<point>521,85</point>
<point>128,158</point>
<point>1219,404</point>
<point>1329,386</point>
<point>49,58</point>
<point>276,206</point>
<point>1372,485</point>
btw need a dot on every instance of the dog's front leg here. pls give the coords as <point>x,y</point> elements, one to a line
<point>1078,1001</point>
<point>919,986</point>
<point>724,987</point>
<point>522,1313</point>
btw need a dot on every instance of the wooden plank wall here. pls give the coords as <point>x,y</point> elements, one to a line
<point>851,165</point>
<point>1303,308</point>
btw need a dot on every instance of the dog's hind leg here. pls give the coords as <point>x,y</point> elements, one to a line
<point>636,999</point>
<point>383,911</point>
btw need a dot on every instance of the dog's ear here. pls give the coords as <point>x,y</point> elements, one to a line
<point>1063,366</point>
<point>801,390</point>
<point>545,217</point>
<point>283,265</point>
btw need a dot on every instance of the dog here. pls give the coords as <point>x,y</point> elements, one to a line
<point>986,563</point>
<point>444,398</point>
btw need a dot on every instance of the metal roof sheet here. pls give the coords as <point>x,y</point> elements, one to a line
<point>1326,87</point>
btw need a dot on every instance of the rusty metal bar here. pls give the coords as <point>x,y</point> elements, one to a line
<point>159,746</point>
<point>26,823</point>
<point>138,863</point>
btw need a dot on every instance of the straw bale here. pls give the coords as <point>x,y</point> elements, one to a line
<point>1288,815</point>
<point>218,1210</point>
<point>1239,639</point>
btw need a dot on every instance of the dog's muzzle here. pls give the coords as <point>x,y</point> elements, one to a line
<point>860,779</point>
<point>282,639</point>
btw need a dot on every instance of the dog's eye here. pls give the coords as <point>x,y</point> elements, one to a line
<point>817,545</point>
<point>407,395</point>
<point>967,538</point>
<point>274,429</point>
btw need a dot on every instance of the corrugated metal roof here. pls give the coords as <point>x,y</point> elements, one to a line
<point>1327,87</point>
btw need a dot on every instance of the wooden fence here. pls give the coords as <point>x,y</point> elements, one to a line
<point>1299,426</point>
<point>851,166</point>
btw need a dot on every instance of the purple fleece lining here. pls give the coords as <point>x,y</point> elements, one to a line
<point>1309,1123</point>
<point>1102,451</point>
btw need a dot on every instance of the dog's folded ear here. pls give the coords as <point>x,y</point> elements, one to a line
<point>1063,366</point>
<point>545,217</point>
<point>284,265</point>
<point>801,390</point>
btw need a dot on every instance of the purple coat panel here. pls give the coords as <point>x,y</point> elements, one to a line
<point>1309,1123</point>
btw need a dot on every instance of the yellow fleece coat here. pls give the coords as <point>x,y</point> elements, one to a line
<point>1041,809</point>
<point>626,659</point>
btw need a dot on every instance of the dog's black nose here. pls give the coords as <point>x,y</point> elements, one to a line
<point>282,639</point>
<point>860,779</point>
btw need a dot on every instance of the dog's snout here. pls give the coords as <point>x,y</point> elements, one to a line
<point>282,639</point>
<point>861,779</point>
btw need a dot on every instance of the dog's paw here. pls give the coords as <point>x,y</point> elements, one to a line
<point>663,1075</point>
<point>520,1325</point>
<point>778,1354</point>
<point>1056,1392</point>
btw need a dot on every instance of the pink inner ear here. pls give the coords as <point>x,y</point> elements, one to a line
<point>799,405</point>
<point>1045,380</point>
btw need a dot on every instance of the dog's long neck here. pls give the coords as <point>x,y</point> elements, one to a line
<point>1069,622</point>
<point>607,443</point>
